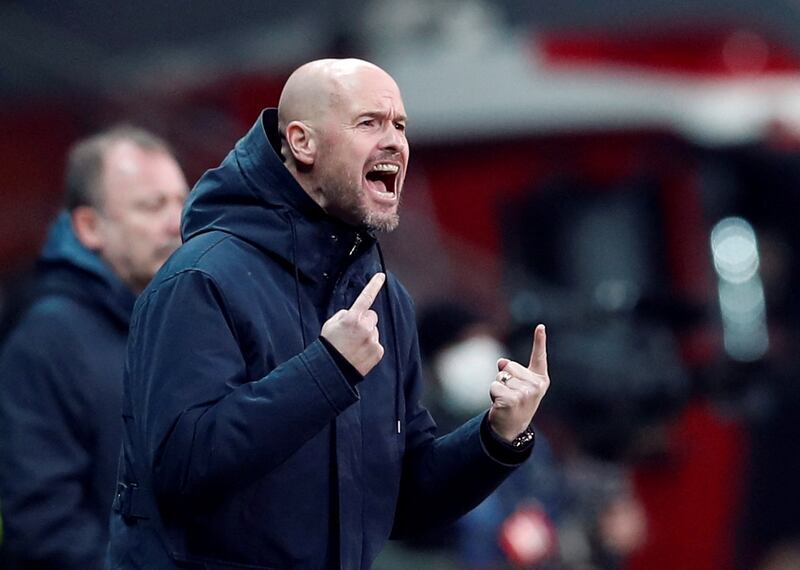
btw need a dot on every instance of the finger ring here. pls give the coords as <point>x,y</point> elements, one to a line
<point>505,377</point>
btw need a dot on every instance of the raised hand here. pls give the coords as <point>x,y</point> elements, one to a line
<point>354,331</point>
<point>517,390</point>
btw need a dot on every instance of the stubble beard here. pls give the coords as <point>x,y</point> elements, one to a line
<point>381,222</point>
<point>350,201</point>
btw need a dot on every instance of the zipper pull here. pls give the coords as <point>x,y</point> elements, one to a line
<point>355,245</point>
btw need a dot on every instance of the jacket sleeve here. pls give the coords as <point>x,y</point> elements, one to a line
<point>204,424</point>
<point>443,478</point>
<point>44,459</point>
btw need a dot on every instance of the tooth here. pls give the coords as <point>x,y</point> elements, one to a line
<point>385,168</point>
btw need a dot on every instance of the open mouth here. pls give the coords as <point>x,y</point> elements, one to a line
<point>382,179</point>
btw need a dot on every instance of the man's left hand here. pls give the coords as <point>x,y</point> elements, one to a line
<point>517,390</point>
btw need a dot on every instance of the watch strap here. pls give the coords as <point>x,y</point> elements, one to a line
<point>525,439</point>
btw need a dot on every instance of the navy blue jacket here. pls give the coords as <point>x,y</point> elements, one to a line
<point>60,391</point>
<point>245,444</point>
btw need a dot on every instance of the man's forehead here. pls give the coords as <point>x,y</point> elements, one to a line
<point>383,103</point>
<point>372,97</point>
<point>122,158</point>
<point>126,158</point>
<point>338,86</point>
<point>130,169</point>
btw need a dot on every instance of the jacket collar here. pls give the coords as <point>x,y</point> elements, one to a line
<point>67,267</point>
<point>254,196</point>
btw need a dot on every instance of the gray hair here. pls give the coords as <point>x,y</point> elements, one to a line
<point>84,169</point>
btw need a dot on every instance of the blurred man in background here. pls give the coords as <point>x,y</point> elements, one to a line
<point>61,367</point>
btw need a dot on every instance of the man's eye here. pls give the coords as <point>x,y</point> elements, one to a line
<point>151,206</point>
<point>367,123</point>
<point>400,126</point>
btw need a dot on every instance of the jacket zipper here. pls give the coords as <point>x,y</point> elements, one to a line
<point>355,245</point>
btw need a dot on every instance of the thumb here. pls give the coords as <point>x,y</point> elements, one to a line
<point>502,363</point>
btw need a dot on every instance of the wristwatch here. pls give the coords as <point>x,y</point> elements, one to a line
<point>524,439</point>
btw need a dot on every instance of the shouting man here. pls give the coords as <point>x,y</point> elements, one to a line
<point>271,408</point>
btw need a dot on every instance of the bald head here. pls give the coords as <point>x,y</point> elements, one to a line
<point>314,88</point>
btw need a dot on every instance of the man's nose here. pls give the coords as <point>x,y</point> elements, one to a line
<point>174,219</point>
<point>393,138</point>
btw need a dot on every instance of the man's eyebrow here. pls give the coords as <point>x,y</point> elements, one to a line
<point>382,115</point>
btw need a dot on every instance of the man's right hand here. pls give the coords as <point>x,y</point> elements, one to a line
<point>354,331</point>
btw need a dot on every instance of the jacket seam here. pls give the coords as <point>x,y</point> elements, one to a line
<point>217,289</point>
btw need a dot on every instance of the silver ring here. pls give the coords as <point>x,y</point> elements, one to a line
<point>505,377</point>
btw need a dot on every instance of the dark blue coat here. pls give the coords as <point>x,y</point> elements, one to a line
<point>245,445</point>
<point>60,391</point>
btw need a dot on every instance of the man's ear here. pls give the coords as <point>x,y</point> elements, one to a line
<point>302,143</point>
<point>86,225</point>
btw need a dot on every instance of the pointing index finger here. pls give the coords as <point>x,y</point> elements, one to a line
<point>538,363</point>
<point>367,296</point>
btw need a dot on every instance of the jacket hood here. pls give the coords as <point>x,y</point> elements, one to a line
<point>67,267</point>
<point>254,196</point>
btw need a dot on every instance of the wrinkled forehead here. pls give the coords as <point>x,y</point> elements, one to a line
<point>368,90</point>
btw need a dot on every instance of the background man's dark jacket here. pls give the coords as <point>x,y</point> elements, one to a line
<point>245,444</point>
<point>60,390</point>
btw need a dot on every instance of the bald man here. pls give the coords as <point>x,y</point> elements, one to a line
<point>271,407</point>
